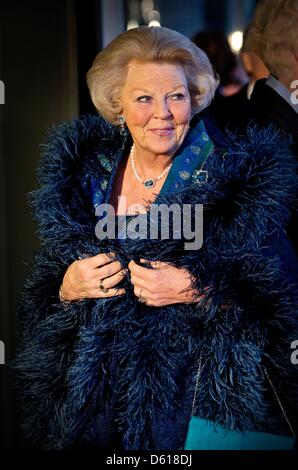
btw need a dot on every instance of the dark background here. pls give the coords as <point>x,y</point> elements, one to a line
<point>46,49</point>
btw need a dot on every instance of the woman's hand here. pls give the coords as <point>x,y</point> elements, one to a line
<point>82,278</point>
<point>163,285</point>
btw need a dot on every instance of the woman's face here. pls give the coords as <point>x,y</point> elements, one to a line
<point>156,106</point>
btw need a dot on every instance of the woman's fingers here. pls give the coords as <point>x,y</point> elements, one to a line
<point>98,294</point>
<point>91,288</point>
<point>108,270</point>
<point>79,278</point>
<point>101,259</point>
<point>113,280</point>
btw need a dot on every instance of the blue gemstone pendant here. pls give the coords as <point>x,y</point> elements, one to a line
<point>149,183</point>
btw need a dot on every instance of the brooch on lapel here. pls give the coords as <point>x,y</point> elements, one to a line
<point>200,176</point>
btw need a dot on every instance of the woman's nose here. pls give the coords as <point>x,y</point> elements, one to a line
<point>161,109</point>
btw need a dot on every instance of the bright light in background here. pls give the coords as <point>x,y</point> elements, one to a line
<point>147,7</point>
<point>132,24</point>
<point>154,23</point>
<point>154,15</point>
<point>154,18</point>
<point>236,40</point>
<point>148,14</point>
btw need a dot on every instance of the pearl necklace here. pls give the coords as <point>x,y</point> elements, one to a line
<point>148,183</point>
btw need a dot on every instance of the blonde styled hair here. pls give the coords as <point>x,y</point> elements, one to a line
<point>107,75</point>
<point>273,33</point>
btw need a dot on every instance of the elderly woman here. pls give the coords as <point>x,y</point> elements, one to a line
<point>115,318</point>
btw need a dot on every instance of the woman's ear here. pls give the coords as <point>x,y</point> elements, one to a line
<point>117,104</point>
<point>117,111</point>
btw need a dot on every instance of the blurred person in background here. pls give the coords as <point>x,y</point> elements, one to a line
<point>253,65</point>
<point>273,36</point>
<point>232,112</point>
<point>225,62</point>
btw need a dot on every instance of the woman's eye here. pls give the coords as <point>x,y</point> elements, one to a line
<point>144,99</point>
<point>177,97</point>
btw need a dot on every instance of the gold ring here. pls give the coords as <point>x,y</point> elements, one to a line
<point>102,287</point>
